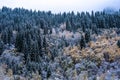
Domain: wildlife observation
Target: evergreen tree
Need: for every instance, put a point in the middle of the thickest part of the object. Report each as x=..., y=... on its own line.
x=25, y=50
x=45, y=30
x=45, y=44
x=87, y=36
x=4, y=37
x=9, y=31
x=39, y=41
x=19, y=42
x=68, y=25
x=82, y=42
x=1, y=46
x=34, y=51
x=118, y=43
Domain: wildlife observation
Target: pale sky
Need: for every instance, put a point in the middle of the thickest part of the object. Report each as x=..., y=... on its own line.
x=57, y=6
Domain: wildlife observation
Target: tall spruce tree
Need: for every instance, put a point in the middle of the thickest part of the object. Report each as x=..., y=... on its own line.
x=82, y=42
x=1, y=46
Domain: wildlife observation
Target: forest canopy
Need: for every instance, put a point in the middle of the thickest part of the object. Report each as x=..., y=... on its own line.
x=33, y=36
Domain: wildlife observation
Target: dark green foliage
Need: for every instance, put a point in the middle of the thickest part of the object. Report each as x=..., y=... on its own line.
x=19, y=42
x=45, y=30
x=68, y=25
x=118, y=43
x=82, y=42
x=54, y=53
x=30, y=32
x=9, y=32
x=4, y=37
x=106, y=56
x=48, y=72
x=31, y=45
x=44, y=43
x=94, y=28
x=7, y=35
x=87, y=36
x=1, y=46
x=20, y=19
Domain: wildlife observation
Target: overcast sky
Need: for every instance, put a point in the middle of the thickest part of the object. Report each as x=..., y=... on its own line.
x=57, y=6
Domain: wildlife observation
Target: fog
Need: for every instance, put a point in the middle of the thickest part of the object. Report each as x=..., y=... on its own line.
x=57, y=6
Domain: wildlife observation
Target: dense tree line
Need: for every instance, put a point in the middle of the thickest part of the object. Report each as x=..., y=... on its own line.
x=21, y=27
x=28, y=30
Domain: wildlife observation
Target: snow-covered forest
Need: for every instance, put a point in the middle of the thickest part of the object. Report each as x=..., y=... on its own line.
x=39, y=45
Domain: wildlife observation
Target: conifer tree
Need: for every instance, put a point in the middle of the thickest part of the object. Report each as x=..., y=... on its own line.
x=82, y=42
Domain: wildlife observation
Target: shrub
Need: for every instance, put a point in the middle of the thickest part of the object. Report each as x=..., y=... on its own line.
x=118, y=43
